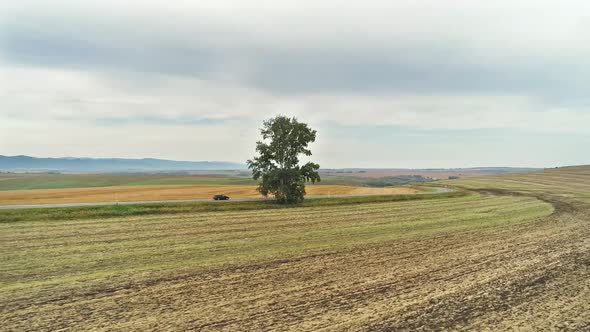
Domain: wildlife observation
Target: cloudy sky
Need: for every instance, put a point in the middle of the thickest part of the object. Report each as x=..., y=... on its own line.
x=403, y=83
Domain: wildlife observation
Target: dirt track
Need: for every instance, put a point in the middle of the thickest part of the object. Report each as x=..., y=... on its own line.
x=560, y=204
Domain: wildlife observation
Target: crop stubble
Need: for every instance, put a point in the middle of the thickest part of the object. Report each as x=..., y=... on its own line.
x=495, y=260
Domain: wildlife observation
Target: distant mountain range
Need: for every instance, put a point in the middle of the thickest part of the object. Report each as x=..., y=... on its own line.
x=69, y=164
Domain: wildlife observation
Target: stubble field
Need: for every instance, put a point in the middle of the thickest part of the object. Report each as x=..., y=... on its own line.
x=568, y=182
x=504, y=256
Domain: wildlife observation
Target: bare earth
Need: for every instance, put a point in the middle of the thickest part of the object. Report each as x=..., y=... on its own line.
x=168, y=192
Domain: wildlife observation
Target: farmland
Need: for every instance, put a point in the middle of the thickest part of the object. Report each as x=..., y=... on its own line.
x=566, y=182
x=169, y=192
x=39, y=181
x=28, y=181
x=19, y=189
x=352, y=177
x=511, y=253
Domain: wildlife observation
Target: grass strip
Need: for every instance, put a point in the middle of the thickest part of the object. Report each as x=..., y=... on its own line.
x=113, y=211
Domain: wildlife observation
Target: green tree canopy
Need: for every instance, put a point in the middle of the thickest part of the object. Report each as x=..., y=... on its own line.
x=284, y=139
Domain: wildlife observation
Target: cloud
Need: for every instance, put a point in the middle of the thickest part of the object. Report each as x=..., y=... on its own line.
x=80, y=96
x=377, y=47
x=200, y=69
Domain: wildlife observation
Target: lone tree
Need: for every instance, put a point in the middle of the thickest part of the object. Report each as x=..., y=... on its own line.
x=283, y=140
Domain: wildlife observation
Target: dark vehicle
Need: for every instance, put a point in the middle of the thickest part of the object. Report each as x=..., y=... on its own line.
x=220, y=197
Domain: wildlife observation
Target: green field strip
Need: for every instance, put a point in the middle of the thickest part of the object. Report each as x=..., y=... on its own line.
x=63, y=181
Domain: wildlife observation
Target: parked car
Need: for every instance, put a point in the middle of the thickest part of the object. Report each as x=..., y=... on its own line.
x=220, y=197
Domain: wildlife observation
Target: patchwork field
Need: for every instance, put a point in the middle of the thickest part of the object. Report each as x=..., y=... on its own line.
x=496, y=258
x=170, y=192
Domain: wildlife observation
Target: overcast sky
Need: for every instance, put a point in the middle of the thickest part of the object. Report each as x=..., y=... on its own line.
x=412, y=83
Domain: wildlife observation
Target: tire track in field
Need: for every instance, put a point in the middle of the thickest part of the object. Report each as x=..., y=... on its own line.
x=560, y=205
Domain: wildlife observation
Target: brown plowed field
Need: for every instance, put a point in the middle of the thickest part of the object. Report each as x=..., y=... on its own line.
x=495, y=260
x=168, y=192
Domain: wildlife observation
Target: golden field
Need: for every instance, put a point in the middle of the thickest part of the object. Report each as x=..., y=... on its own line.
x=168, y=192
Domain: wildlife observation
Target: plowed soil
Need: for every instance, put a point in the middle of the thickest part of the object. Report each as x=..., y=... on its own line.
x=492, y=261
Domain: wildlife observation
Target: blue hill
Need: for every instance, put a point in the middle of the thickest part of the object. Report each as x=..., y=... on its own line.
x=69, y=164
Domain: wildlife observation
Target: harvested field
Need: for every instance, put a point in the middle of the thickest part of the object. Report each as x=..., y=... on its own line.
x=572, y=182
x=172, y=192
x=492, y=260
